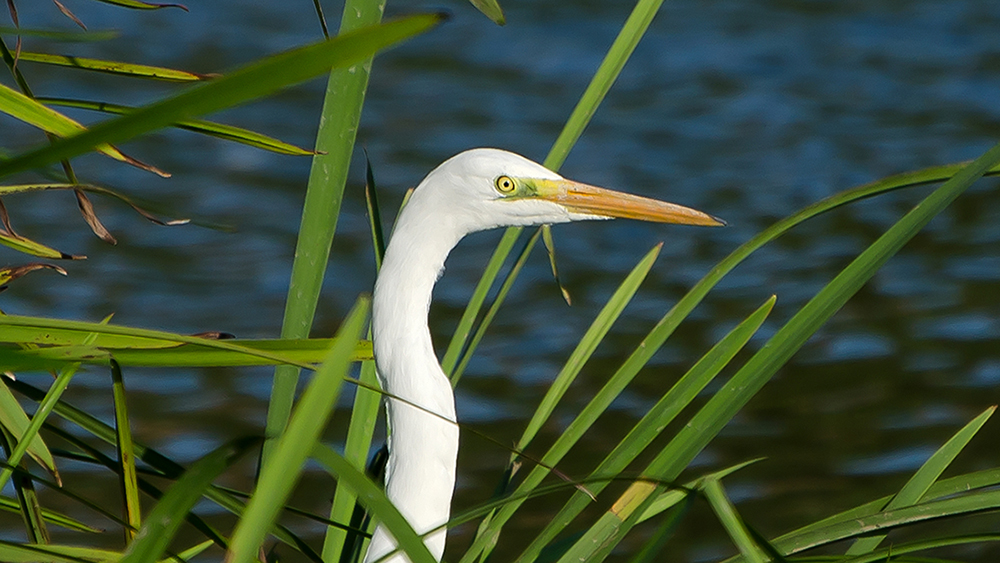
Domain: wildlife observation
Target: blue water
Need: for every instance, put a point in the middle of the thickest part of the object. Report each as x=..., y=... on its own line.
x=748, y=110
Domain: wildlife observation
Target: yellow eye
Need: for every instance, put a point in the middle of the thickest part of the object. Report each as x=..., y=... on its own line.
x=505, y=184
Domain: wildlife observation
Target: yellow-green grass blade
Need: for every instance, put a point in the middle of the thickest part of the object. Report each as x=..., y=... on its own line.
x=171, y=511
x=281, y=471
x=680, y=395
x=190, y=552
x=731, y=521
x=494, y=308
x=20, y=553
x=302, y=352
x=588, y=344
x=222, y=131
x=374, y=214
x=126, y=455
x=50, y=517
x=338, y=126
x=114, y=67
x=918, y=485
x=30, y=247
x=255, y=81
x=491, y=9
x=45, y=331
x=461, y=335
x=44, y=409
x=359, y=439
x=16, y=422
x=137, y=5
x=597, y=542
x=23, y=108
x=149, y=456
x=374, y=499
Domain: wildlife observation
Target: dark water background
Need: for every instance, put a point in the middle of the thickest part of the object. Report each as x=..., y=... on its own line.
x=748, y=110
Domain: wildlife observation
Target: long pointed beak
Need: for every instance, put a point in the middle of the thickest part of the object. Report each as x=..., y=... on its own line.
x=591, y=200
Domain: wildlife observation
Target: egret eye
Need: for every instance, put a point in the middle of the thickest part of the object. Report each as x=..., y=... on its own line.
x=505, y=184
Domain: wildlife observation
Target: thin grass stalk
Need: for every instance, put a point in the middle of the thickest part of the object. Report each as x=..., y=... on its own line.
x=126, y=456
x=921, y=481
x=281, y=472
x=598, y=541
x=364, y=412
x=338, y=126
x=498, y=300
x=680, y=395
x=27, y=499
x=619, y=53
x=731, y=521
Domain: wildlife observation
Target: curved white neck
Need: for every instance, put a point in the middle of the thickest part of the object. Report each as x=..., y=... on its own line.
x=423, y=448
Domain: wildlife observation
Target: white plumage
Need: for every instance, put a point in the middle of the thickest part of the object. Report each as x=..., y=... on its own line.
x=476, y=190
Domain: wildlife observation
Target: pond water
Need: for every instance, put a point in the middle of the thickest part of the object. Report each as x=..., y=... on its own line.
x=747, y=110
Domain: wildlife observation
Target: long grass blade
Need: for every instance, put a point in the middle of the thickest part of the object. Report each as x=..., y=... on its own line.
x=114, y=67
x=16, y=422
x=588, y=344
x=600, y=539
x=731, y=521
x=341, y=114
x=126, y=455
x=27, y=499
x=918, y=485
x=280, y=472
x=494, y=308
x=219, y=130
x=20, y=553
x=374, y=499
x=650, y=426
x=171, y=511
x=254, y=81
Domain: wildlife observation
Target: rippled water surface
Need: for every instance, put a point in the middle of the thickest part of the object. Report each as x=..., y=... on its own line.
x=748, y=110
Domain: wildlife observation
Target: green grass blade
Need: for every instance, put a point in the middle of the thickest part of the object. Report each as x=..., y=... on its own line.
x=762, y=366
x=359, y=440
x=24, y=108
x=16, y=422
x=219, y=130
x=494, y=308
x=152, y=458
x=650, y=426
x=280, y=472
x=619, y=53
x=374, y=499
x=588, y=344
x=126, y=455
x=338, y=126
x=918, y=485
x=50, y=517
x=19, y=553
x=464, y=328
x=491, y=9
x=114, y=67
x=257, y=80
x=731, y=521
x=27, y=498
x=171, y=511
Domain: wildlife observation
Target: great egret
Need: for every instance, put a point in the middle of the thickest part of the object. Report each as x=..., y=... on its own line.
x=476, y=190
